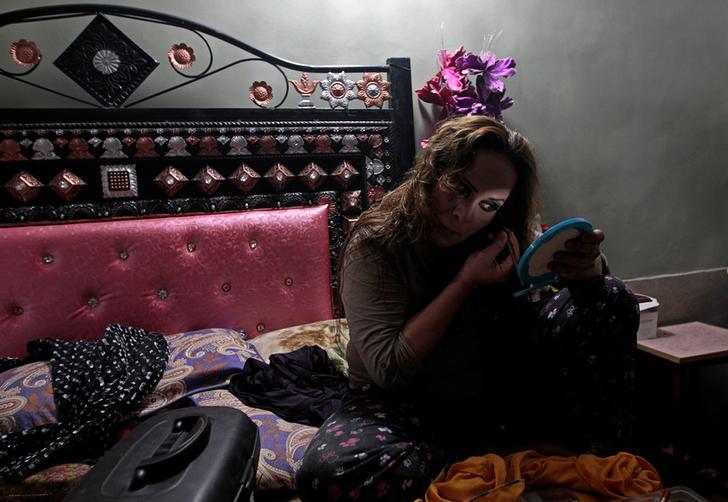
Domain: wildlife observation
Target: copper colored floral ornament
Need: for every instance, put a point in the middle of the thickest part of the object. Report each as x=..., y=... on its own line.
x=373, y=90
x=305, y=88
x=260, y=93
x=181, y=56
x=25, y=53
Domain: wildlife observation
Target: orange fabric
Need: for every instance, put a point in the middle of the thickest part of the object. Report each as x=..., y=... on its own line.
x=592, y=478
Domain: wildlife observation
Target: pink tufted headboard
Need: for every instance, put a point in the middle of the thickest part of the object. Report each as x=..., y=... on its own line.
x=256, y=271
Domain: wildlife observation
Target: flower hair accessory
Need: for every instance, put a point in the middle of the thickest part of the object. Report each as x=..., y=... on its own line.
x=453, y=89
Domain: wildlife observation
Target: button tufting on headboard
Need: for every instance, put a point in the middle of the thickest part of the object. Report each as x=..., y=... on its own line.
x=223, y=277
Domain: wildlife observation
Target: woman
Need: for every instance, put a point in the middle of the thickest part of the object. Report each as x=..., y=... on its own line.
x=443, y=361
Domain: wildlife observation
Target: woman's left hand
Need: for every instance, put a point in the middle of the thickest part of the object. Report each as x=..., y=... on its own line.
x=582, y=260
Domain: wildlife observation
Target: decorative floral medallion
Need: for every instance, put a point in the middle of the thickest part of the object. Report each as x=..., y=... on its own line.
x=260, y=93
x=106, y=61
x=66, y=184
x=170, y=180
x=181, y=56
x=25, y=53
x=338, y=90
x=373, y=90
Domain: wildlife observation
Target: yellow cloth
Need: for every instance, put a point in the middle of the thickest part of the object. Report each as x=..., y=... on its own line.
x=590, y=477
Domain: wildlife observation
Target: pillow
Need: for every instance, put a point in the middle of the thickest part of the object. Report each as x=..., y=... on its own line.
x=331, y=335
x=198, y=360
x=26, y=397
x=282, y=444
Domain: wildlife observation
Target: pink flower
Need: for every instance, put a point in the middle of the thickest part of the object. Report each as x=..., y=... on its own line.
x=349, y=442
x=434, y=92
x=381, y=437
x=445, y=58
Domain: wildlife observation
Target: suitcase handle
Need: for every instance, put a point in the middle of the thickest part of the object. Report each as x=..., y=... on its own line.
x=167, y=464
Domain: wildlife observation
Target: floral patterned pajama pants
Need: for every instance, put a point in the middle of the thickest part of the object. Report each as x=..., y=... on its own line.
x=379, y=447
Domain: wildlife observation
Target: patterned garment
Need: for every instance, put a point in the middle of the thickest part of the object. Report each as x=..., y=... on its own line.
x=579, y=369
x=372, y=448
x=94, y=384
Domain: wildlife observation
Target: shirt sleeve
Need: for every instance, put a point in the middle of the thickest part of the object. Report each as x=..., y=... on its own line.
x=376, y=302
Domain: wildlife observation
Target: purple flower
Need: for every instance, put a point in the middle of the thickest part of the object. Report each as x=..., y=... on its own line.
x=489, y=67
x=483, y=101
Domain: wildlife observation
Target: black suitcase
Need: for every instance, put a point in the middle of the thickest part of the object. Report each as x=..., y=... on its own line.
x=191, y=454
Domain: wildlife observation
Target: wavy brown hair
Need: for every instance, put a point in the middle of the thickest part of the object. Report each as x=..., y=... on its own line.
x=405, y=214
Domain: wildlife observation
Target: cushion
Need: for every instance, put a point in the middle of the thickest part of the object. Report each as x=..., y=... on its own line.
x=198, y=360
x=282, y=444
x=331, y=335
x=26, y=397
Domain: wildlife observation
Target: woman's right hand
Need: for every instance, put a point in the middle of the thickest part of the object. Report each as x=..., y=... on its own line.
x=481, y=268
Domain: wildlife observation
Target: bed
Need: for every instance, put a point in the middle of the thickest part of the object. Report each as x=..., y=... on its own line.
x=219, y=227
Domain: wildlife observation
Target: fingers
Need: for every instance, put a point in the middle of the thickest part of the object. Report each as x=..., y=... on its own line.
x=496, y=246
x=515, y=248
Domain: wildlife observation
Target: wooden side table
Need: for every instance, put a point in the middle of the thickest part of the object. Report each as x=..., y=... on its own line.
x=685, y=349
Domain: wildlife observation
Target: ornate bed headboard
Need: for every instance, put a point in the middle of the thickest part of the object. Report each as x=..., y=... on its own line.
x=299, y=135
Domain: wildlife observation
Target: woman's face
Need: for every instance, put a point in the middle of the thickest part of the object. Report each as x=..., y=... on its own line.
x=458, y=214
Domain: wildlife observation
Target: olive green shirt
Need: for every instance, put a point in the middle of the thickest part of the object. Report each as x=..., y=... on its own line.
x=381, y=292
